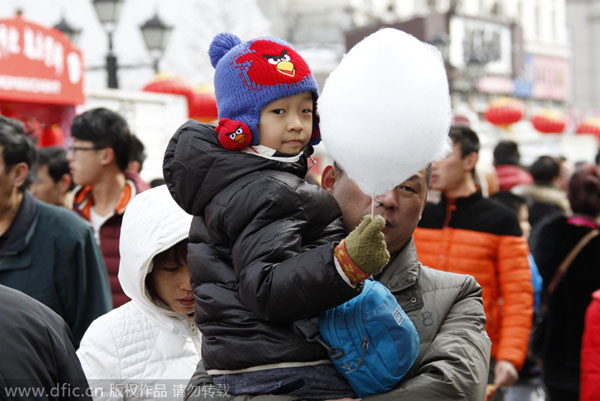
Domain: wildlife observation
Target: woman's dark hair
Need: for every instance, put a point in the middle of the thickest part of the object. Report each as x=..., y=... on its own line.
x=584, y=190
x=177, y=252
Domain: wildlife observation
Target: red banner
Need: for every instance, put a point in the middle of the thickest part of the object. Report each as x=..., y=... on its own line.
x=39, y=64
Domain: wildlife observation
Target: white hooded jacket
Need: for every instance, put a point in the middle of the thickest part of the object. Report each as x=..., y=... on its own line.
x=142, y=350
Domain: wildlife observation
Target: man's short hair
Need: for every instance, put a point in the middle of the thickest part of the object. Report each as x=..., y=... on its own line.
x=105, y=128
x=428, y=172
x=544, y=170
x=17, y=147
x=465, y=138
x=55, y=158
x=138, y=151
x=507, y=152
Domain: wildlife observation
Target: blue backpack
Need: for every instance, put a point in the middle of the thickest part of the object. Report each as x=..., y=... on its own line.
x=371, y=340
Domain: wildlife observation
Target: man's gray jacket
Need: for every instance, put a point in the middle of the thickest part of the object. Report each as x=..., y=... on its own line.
x=447, y=311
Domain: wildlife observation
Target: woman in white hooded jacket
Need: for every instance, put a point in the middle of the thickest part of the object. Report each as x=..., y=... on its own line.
x=149, y=347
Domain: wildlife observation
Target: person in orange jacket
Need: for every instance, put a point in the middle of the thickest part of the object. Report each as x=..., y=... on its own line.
x=469, y=234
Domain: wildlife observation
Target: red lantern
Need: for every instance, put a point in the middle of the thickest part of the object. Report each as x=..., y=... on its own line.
x=590, y=126
x=504, y=111
x=203, y=105
x=164, y=83
x=549, y=121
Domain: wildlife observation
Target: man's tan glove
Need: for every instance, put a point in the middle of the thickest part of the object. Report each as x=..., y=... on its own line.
x=363, y=252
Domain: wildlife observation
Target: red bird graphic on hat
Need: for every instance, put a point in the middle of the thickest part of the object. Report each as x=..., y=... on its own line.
x=273, y=63
x=233, y=135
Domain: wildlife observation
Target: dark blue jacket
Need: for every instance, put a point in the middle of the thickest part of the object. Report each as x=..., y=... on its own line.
x=50, y=254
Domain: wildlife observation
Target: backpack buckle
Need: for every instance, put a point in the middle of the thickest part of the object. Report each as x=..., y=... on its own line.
x=335, y=352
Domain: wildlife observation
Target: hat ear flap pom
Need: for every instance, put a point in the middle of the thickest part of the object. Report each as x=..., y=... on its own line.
x=233, y=135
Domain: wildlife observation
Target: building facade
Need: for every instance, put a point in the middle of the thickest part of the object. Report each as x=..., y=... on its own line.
x=583, y=22
x=517, y=48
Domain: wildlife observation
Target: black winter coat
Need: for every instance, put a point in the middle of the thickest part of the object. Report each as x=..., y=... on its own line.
x=260, y=253
x=37, y=358
x=550, y=242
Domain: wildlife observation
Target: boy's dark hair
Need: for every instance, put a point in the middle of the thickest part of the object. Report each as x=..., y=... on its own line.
x=466, y=138
x=17, y=147
x=507, y=152
x=544, y=170
x=105, y=128
x=137, y=152
x=598, y=157
x=55, y=158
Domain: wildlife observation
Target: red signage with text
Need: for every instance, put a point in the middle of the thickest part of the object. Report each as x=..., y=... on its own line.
x=38, y=64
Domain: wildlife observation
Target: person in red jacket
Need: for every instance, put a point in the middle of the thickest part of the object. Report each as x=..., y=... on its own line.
x=469, y=234
x=508, y=170
x=590, y=352
x=98, y=160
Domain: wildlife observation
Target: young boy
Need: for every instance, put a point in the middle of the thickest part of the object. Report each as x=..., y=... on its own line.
x=266, y=247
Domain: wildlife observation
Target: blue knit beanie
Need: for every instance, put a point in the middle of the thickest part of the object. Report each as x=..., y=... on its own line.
x=250, y=75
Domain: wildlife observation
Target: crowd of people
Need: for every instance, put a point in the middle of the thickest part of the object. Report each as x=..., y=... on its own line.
x=111, y=289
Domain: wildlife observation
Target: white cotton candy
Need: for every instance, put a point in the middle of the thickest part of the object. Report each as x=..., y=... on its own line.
x=385, y=110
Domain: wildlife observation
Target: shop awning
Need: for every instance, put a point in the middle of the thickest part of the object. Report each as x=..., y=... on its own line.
x=38, y=64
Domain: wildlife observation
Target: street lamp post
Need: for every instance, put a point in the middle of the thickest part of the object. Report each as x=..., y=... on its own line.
x=156, y=36
x=154, y=31
x=108, y=12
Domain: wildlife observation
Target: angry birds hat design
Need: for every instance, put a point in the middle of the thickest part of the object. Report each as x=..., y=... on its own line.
x=248, y=76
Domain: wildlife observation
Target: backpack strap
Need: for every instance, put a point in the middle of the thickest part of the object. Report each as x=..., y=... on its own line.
x=562, y=269
x=564, y=266
x=311, y=332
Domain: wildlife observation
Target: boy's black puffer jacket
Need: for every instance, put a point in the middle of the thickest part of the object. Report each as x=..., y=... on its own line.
x=261, y=250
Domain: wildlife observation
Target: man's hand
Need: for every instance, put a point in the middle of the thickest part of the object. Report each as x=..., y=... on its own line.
x=505, y=374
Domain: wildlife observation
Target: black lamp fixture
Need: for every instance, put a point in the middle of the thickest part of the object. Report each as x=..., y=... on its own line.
x=108, y=12
x=156, y=36
x=70, y=31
